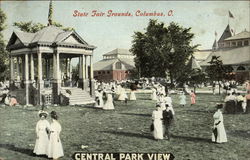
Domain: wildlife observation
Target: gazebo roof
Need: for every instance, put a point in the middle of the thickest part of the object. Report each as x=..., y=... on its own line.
x=48, y=36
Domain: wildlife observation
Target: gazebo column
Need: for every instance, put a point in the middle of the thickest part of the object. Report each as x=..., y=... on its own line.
x=92, y=83
x=17, y=72
x=40, y=82
x=80, y=81
x=70, y=71
x=17, y=69
x=26, y=78
x=67, y=67
x=32, y=74
x=47, y=68
x=56, y=86
x=84, y=87
x=86, y=80
x=11, y=71
x=23, y=68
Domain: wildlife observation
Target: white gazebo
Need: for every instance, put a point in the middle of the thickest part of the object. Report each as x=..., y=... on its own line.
x=41, y=63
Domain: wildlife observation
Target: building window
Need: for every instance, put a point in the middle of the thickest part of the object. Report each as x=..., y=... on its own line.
x=99, y=72
x=108, y=72
x=239, y=43
x=246, y=43
x=233, y=44
x=118, y=65
x=103, y=72
x=241, y=68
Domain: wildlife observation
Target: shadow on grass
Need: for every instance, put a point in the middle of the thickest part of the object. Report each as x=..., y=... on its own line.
x=28, y=152
x=129, y=134
x=198, y=111
x=240, y=133
x=136, y=114
x=193, y=139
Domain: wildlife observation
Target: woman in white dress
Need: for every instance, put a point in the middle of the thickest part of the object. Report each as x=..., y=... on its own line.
x=99, y=99
x=109, y=103
x=55, y=149
x=182, y=99
x=153, y=95
x=219, y=133
x=132, y=96
x=42, y=134
x=157, y=122
x=123, y=96
x=118, y=90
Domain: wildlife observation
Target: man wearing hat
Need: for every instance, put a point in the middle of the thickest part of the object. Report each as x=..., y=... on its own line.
x=168, y=116
x=219, y=133
x=42, y=134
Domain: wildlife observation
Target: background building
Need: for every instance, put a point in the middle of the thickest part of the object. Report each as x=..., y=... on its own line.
x=115, y=65
x=234, y=51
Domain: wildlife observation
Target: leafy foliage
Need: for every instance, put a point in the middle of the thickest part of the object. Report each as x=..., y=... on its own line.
x=217, y=71
x=154, y=50
x=3, y=53
x=34, y=27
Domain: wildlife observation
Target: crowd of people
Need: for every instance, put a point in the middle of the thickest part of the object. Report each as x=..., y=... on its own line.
x=163, y=116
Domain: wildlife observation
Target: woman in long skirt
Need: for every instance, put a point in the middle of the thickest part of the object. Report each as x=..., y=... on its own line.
x=219, y=133
x=153, y=95
x=157, y=122
x=123, y=96
x=132, y=96
x=193, y=96
x=42, y=134
x=55, y=149
x=109, y=103
x=182, y=99
x=99, y=99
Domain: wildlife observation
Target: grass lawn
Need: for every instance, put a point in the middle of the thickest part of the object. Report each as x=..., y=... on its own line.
x=126, y=129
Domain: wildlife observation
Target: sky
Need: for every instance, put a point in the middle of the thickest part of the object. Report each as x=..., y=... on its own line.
x=108, y=33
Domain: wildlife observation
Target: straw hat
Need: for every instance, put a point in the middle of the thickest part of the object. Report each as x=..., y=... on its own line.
x=219, y=105
x=42, y=113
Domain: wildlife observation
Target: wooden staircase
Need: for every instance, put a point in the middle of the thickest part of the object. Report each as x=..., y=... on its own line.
x=78, y=96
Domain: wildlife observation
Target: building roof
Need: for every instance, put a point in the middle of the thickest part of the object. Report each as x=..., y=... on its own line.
x=118, y=51
x=231, y=56
x=107, y=64
x=215, y=44
x=49, y=35
x=226, y=34
x=201, y=55
x=24, y=37
x=241, y=35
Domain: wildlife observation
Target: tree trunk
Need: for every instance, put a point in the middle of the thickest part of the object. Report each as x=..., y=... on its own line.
x=219, y=89
x=171, y=79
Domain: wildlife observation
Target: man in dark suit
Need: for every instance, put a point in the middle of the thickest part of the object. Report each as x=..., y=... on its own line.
x=167, y=121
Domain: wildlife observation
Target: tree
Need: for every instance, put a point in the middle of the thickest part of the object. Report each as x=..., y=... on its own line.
x=3, y=53
x=34, y=27
x=162, y=50
x=217, y=71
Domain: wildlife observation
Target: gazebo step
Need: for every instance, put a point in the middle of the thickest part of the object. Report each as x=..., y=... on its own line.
x=79, y=96
x=82, y=102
